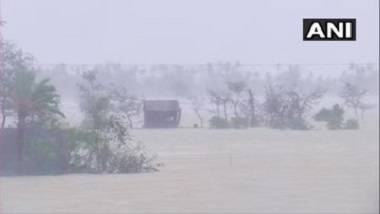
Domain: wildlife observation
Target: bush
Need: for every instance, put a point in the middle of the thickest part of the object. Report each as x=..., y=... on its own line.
x=288, y=109
x=133, y=159
x=333, y=124
x=323, y=115
x=107, y=146
x=45, y=152
x=127, y=157
x=333, y=116
x=218, y=123
x=239, y=122
x=42, y=156
x=351, y=124
x=297, y=124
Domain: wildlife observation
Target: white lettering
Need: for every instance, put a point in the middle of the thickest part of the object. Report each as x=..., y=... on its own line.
x=348, y=30
x=315, y=29
x=338, y=31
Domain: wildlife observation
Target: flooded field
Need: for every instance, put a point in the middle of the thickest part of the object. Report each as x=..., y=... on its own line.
x=252, y=170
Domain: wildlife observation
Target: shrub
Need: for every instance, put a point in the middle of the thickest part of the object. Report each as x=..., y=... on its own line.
x=297, y=124
x=288, y=109
x=45, y=157
x=239, y=122
x=351, y=124
x=133, y=159
x=323, y=115
x=107, y=146
x=333, y=116
x=218, y=123
x=46, y=152
x=127, y=156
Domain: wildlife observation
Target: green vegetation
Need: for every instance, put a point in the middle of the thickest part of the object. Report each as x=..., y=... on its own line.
x=218, y=123
x=41, y=144
x=37, y=140
x=335, y=118
x=109, y=147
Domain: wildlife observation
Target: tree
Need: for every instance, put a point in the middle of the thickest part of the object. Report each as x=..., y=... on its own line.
x=333, y=117
x=353, y=97
x=237, y=89
x=215, y=99
x=110, y=147
x=31, y=99
x=225, y=98
x=289, y=108
x=197, y=104
x=253, y=120
x=95, y=104
x=127, y=103
x=273, y=107
x=365, y=107
x=13, y=60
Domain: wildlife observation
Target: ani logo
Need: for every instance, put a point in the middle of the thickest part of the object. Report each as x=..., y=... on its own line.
x=329, y=29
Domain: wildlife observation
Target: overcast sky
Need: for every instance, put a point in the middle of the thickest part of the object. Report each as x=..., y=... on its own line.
x=186, y=31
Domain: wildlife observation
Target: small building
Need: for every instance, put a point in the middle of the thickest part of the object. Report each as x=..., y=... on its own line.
x=161, y=113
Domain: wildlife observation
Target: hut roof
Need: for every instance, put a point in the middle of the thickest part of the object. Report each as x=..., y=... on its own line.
x=161, y=105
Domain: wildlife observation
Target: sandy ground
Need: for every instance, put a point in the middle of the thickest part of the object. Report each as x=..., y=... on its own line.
x=254, y=170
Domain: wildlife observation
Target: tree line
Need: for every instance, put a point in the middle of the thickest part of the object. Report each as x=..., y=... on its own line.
x=281, y=107
x=109, y=103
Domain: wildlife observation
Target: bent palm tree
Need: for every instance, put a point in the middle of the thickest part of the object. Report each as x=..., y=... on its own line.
x=31, y=98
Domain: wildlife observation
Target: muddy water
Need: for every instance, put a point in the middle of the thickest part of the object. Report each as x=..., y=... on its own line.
x=253, y=170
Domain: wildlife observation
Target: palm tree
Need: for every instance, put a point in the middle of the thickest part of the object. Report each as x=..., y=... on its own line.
x=31, y=98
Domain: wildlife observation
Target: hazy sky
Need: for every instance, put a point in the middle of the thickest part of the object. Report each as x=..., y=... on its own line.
x=186, y=31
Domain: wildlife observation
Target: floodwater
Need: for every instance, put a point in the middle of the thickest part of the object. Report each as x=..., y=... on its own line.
x=254, y=170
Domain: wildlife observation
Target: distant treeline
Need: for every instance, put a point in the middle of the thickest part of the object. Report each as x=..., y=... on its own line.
x=194, y=80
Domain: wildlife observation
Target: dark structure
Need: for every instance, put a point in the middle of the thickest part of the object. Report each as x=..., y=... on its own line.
x=161, y=113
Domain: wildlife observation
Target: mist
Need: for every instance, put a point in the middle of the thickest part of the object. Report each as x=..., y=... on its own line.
x=186, y=32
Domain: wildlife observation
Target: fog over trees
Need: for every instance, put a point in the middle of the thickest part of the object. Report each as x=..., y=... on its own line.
x=108, y=99
x=244, y=95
